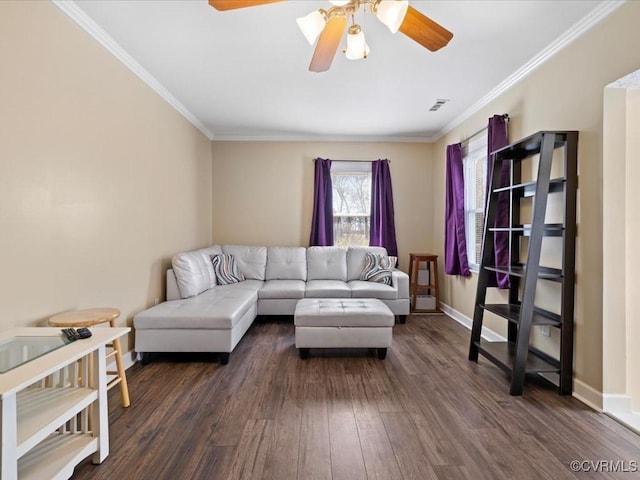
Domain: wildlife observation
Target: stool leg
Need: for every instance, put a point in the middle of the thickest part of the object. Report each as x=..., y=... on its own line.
x=124, y=388
x=435, y=283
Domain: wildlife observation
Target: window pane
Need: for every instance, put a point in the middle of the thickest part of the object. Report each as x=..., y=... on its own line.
x=475, y=181
x=479, y=219
x=351, y=207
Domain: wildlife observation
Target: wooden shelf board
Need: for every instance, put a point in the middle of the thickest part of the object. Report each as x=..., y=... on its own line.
x=56, y=456
x=528, y=189
x=502, y=355
x=42, y=410
x=512, y=313
x=550, y=229
x=545, y=273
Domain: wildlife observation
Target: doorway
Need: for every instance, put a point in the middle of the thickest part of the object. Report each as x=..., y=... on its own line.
x=621, y=250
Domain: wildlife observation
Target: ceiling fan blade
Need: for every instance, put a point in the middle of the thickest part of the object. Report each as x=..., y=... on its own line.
x=328, y=44
x=424, y=30
x=233, y=4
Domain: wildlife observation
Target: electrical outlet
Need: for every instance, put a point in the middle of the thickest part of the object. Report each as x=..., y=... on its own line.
x=545, y=330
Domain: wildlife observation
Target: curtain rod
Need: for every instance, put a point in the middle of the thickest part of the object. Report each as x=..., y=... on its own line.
x=466, y=140
x=353, y=161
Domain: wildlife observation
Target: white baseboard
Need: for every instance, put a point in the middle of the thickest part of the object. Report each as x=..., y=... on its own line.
x=587, y=395
x=581, y=391
x=487, y=334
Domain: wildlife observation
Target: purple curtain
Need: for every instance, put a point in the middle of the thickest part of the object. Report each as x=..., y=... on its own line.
x=455, y=241
x=383, y=228
x=496, y=139
x=322, y=221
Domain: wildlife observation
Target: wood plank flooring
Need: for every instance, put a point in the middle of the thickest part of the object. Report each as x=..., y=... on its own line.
x=425, y=412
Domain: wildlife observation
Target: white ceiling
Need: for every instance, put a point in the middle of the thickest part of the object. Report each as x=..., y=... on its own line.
x=243, y=74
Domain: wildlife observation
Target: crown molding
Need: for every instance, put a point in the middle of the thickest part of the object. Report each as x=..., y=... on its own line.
x=594, y=17
x=321, y=138
x=103, y=38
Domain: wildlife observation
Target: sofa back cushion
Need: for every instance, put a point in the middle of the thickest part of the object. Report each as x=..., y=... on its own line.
x=251, y=261
x=327, y=263
x=286, y=263
x=356, y=260
x=194, y=271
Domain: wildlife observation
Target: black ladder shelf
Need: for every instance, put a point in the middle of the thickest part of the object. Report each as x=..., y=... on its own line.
x=517, y=356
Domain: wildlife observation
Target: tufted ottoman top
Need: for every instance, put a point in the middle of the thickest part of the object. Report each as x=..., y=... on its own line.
x=343, y=312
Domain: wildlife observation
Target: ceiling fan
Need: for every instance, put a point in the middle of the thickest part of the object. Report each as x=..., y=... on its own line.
x=329, y=25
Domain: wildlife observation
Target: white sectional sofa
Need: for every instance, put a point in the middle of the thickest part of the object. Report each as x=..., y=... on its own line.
x=202, y=316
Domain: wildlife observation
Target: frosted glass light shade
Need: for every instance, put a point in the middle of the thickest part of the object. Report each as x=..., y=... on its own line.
x=311, y=25
x=339, y=3
x=392, y=13
x=357, y=47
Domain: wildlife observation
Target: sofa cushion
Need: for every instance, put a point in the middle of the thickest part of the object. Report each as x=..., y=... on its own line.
x=194, y=272
x=327, y=289
x=218, y=308
x=377, y=268
x=356, y=257
x=327, y=263
x=251, y=261
x=251, y=285
x=282, y=289
x=364, y=289
x=286, y=263
x=226, y=269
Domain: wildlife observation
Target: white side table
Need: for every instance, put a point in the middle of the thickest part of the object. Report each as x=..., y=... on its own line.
x=53, y=415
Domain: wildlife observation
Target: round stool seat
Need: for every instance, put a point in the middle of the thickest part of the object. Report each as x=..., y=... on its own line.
x=84, y=318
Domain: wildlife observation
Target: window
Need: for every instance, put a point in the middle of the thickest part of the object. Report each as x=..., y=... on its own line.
x=474, y=159
x=351, y=202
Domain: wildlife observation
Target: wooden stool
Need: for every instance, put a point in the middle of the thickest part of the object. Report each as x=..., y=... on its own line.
x=88, y=318
x=431, y=287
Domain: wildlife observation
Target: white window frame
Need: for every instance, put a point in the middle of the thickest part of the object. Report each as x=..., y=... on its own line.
x=474, y=150
x=345, y=168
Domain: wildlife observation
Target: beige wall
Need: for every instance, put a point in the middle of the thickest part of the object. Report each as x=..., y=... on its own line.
x=100, y=179
x=263, y=191
x=564, y=93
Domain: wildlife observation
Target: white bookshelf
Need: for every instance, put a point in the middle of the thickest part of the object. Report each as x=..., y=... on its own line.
x=54, y=407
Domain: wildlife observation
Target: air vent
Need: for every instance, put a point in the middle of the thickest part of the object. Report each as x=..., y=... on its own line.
x=439, y=102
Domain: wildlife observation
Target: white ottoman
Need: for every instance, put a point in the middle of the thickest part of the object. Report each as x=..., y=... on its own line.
x=343, y=323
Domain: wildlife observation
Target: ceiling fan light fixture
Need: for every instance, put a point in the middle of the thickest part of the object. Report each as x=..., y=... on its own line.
x=357, y=47
x=392, y=13
x=311, y=25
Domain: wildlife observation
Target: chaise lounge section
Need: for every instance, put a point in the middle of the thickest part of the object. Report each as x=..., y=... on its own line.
x=200, y=315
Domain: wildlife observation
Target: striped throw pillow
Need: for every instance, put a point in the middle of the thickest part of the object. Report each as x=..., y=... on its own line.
x=226, y=269
x=377, y=268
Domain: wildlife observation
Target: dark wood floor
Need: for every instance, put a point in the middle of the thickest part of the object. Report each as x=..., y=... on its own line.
x=425, y=412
